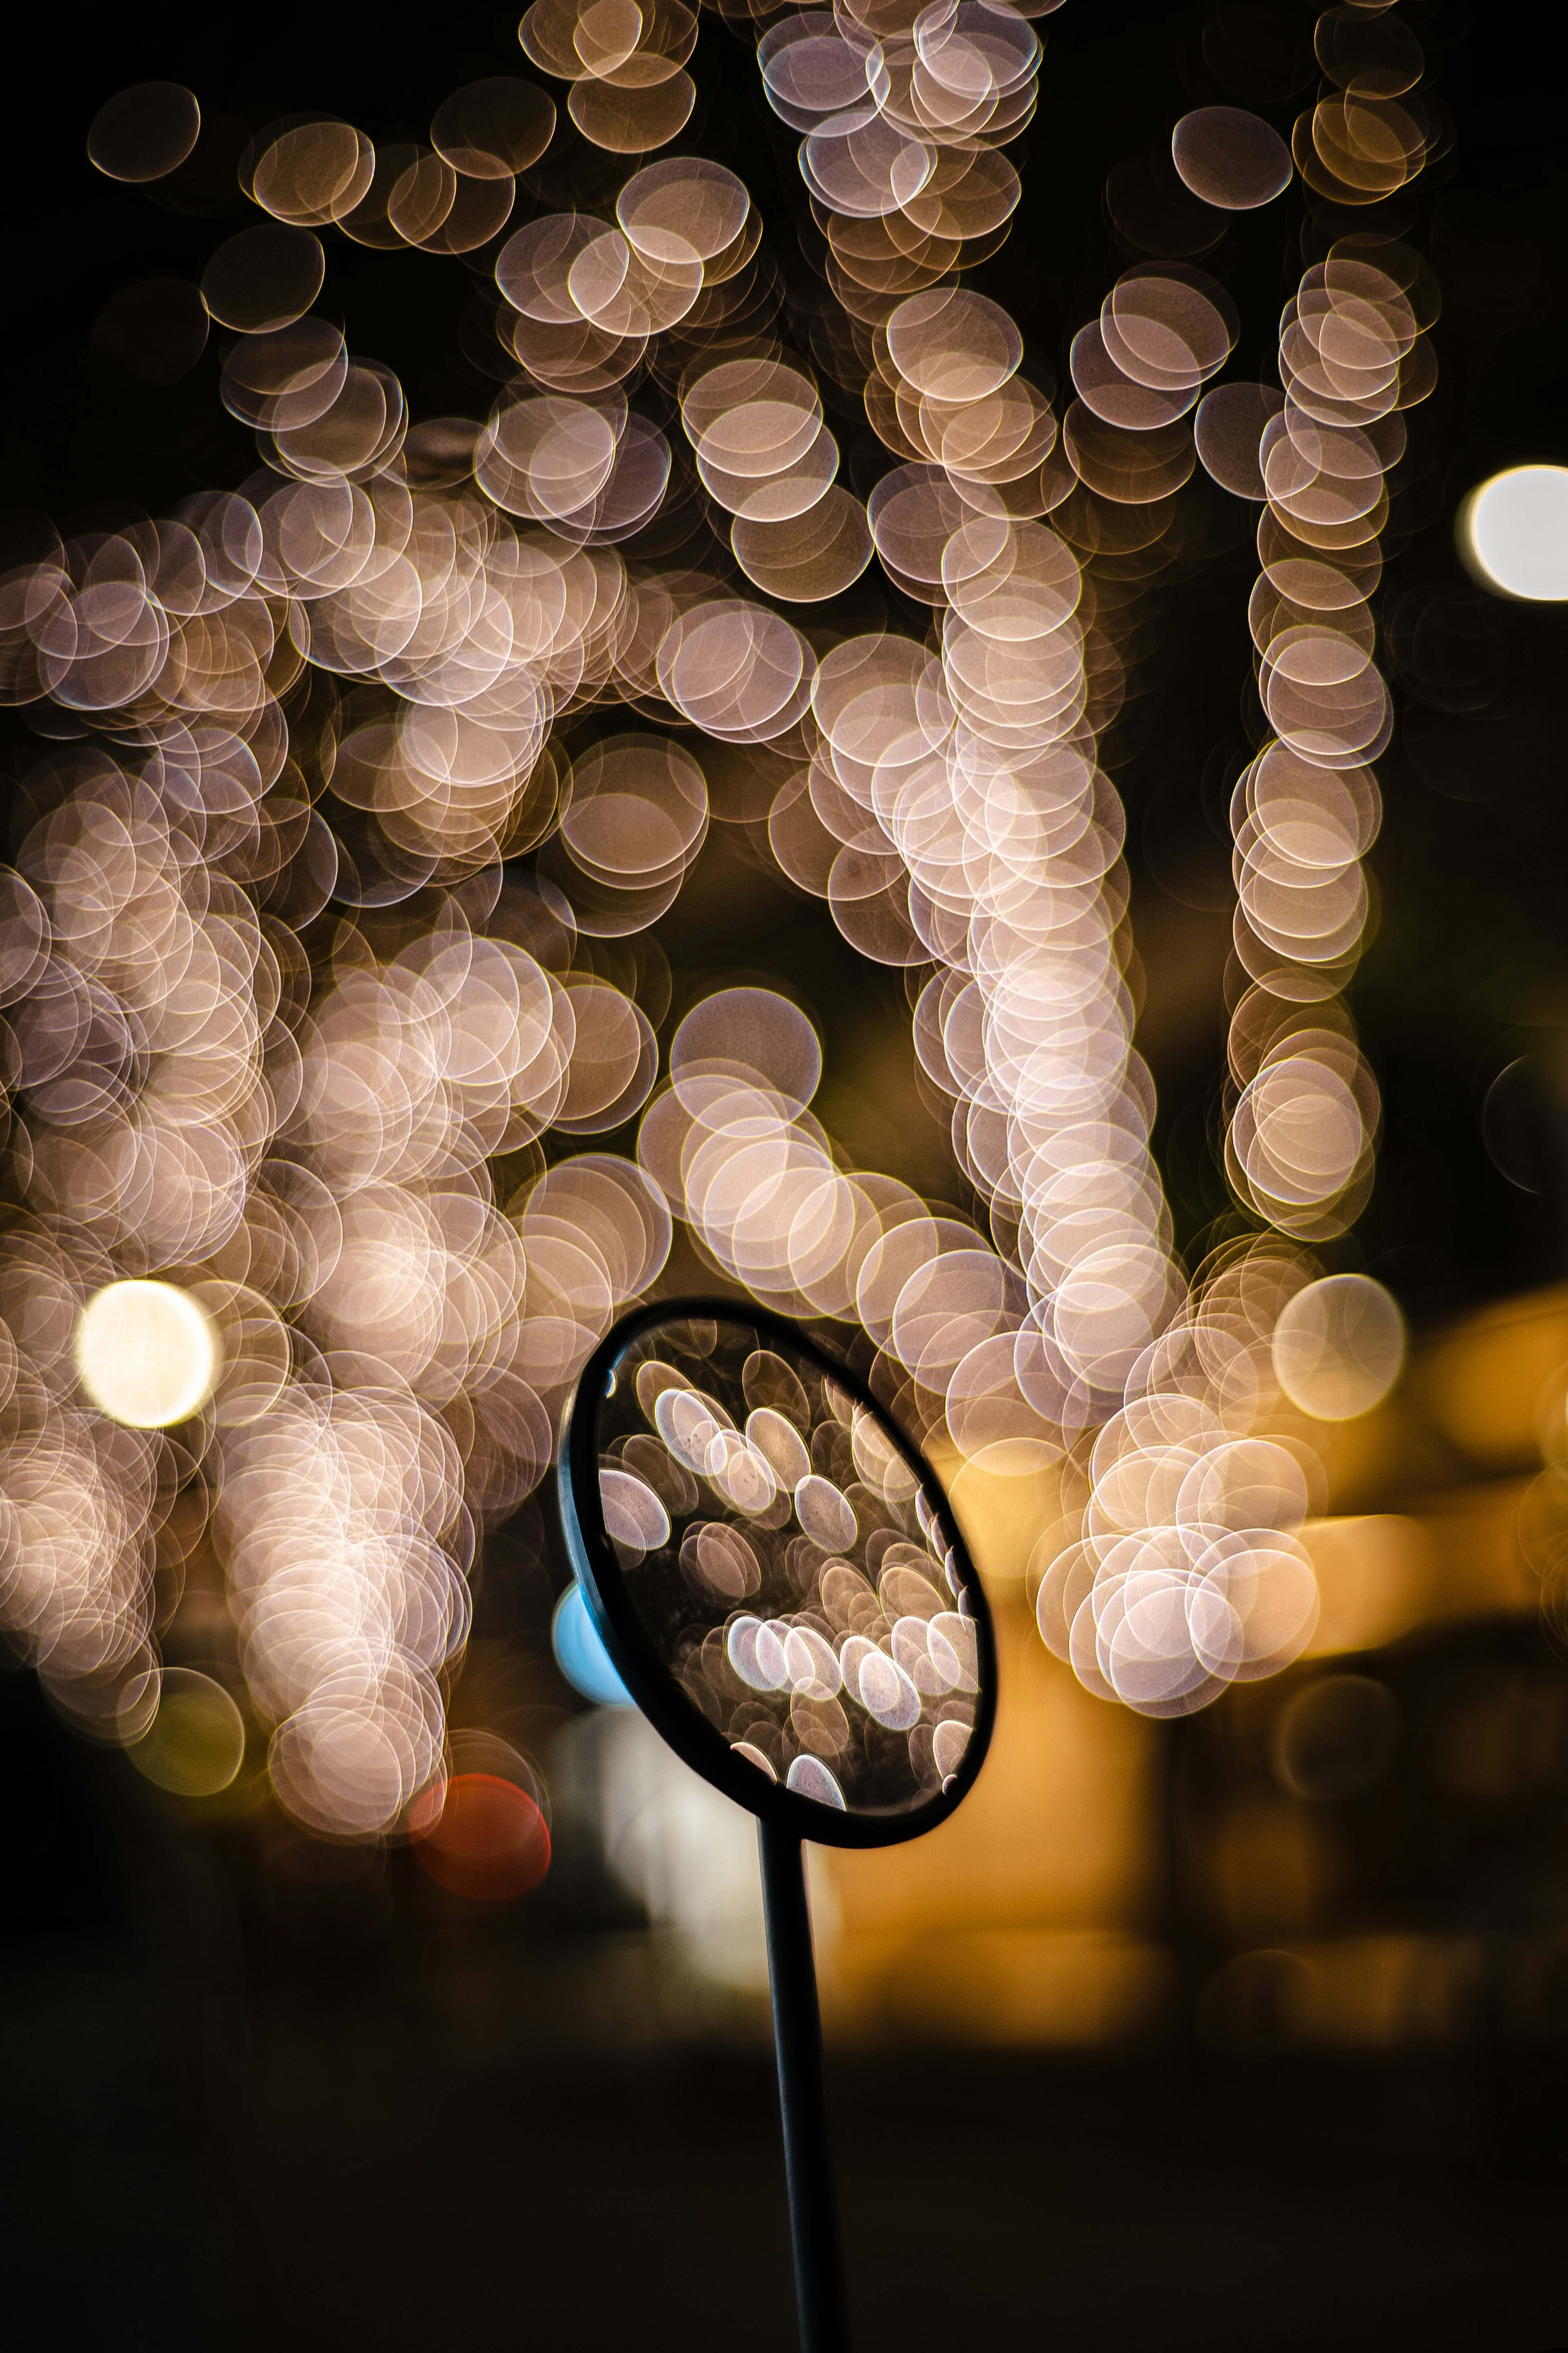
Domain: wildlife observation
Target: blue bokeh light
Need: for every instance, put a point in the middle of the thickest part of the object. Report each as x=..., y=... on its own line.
x=582, y=1656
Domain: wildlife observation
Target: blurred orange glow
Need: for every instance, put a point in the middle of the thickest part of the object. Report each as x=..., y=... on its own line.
x=1488, y=1384
x=1359, y=1991
x=1019, y=1917
x=1376, y=1576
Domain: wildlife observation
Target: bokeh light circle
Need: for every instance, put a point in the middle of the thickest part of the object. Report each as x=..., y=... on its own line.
x=195, y=1743
x=1513, y=530
x=1338, y=1347
x=482, y=1836
x=146, y=1354
x=581, y=1655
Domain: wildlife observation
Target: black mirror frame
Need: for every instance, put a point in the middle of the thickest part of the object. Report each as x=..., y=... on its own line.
x=697, y=1742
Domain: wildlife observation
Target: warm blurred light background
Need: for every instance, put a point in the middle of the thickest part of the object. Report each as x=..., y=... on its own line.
x=1247, y=2028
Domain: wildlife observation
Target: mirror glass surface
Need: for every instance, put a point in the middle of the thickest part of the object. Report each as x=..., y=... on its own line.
x=787, y=1565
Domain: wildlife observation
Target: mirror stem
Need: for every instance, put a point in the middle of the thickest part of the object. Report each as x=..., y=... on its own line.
x=808, y=2155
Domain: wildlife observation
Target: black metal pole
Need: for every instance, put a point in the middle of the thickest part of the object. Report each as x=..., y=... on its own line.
x=808, y=2155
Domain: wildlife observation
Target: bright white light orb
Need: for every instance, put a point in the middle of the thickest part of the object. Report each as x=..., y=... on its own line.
x=146, y=1354
x=1513, y=532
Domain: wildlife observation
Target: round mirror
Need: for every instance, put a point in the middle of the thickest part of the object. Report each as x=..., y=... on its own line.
x=775, y=1575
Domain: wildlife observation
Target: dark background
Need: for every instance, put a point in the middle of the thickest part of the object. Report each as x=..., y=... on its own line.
x=262, y=2092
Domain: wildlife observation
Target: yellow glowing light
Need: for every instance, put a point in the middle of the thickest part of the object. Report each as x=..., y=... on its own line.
x=146, y=1354
x=195, y=1744
x=1513, y=532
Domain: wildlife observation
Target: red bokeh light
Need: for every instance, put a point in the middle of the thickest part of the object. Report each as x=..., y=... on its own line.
x=490, y=1841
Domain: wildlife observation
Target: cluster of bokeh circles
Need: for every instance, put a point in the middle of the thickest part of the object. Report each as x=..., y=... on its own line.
x=1188, y=1572
x=324, y=954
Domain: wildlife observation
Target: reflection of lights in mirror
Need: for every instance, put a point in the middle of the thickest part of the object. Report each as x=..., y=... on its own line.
x=782, y=1559
x=146, y=1354
x=1513, y=532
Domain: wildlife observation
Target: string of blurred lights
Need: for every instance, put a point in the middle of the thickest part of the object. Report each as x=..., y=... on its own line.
x=1187, y=1571
x=263, y=1259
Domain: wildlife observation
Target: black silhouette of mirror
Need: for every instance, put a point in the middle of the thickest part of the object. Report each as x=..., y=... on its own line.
x=775, y=1575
